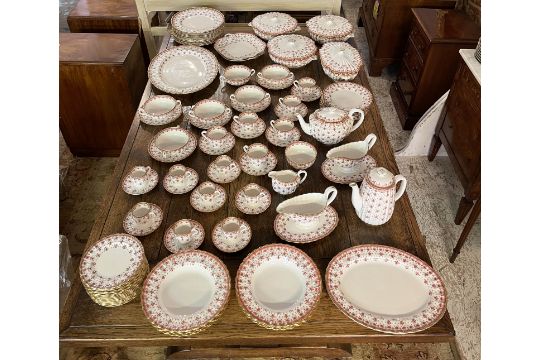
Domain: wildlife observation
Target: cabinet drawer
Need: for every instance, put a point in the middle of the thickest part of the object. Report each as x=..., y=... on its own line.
x=419, y=40
x=412, y=61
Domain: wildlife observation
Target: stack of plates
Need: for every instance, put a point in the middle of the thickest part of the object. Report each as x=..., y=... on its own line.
x=113, y=269
x=197, y=26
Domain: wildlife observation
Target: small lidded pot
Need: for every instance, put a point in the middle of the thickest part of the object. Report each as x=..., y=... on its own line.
x=209, y=112
x=160, y=110
x=257, y=160
x=180, y=179
x=216, y=141
x=282, y=132
x=289, y=107
x=250, y=98
x=306, y=89
x=237, y=75
x=223, y=170
x=275, y=77
x=285, y=182
x=248, y=125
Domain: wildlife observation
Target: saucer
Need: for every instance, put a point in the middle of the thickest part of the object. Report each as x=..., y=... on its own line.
x=274, y=140
x=197, y=237
x=243, y=204
x=176, y=187
x=332, y=170
x=203, y=203
x=219, y=237
x=145, y=224
x=289, y=230
x=172, y=144
x=132, y=188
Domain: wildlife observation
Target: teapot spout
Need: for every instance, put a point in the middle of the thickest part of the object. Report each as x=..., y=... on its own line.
x=356, y=199
x=306, y=127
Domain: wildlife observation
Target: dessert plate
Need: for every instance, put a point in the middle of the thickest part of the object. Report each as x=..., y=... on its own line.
x=270, y=24
x=197, y=20
x=143, y=219
x=183, y=69
x=140, y=180
x=240, y=46
x=231, y=234
x=185, y=234
x=386, y=289
x=346, y=95
x=278, y=286
x=253, y=199
x=172, y=144
x=291, y=231
x=336, y=171
x=186, y=292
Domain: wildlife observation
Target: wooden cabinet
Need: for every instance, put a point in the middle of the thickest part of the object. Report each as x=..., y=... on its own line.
x=430, y=60
x=387, y=24
x=102, y=77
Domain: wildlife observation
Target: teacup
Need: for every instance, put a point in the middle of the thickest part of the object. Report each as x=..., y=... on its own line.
x=286, y=182
x=306, y=89
x=216, y=141
x=300, y=154
x=237, y=75
x=289, y=107
x=275, y=77
x=282, y=132
x=183, y=232
x=208, y=197
x=142, y=219
x=139, y=180
x=223, y=170
x=247, y=125
x=306, y=209
x=257, y=160
x=160, y=110
x=180, y=179
x=250, y=98
x=207, y=113
x=350, y=155
x=231, y=234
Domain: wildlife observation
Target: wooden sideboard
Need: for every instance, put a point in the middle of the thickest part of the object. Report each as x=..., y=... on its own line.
x=430, y=60
x=387, y=24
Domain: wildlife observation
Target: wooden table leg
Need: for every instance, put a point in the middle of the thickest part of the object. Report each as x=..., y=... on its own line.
x=466, y=230
x=435, y=146
x=465, y=205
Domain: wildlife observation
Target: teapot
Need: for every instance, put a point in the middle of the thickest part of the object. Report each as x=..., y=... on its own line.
x=331, y=125
x=374, y=200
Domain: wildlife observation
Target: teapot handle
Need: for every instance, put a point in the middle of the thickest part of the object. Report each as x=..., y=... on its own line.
x=402, y=186
x=303, y=175
x=360, y=121
x=370, y=139
x=330, y=193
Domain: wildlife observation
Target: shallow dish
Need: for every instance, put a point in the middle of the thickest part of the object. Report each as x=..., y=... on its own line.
x=293, y=50
x=172, y=144
x=231, y=234
x=240, y=46
x=326, y=28
x=142, y=219
x=186, y=292
x=140, y=180
x=183, y=69
x=278, y=286
x=160, y=110
x=346, y=95
x=271, y=24
x=185, y=234
x=386, y=289
x=341, y=172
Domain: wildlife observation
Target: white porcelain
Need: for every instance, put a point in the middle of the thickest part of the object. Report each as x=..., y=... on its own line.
x=183, y=69
x=185, y=292
x=327, y=28
x=140, y=180
x=197, y=26
x=237, y=75
x=285, y=182
x=160, y=110
x=374, y=200
x=208, y=197
x=340, y=61
x=247, y=125
x=275, y=77
x=386, y=289
x=351, y=153
x=271, y=24
x=289, y=107
x=306, y=218
x=209, y=112
x=216, y=141
x=331, y=125
x=253, y=199
x=142, y=219
x=346, y=96
x=250, y=98
x=306, y=89
x=293, y=51
x=278, y=286
x=185, y=234
x=240, y=46
x=340, y=171
x=180, y=179
x=172, y=144
x=231, y=234
x=223, y=170
x=282, y=132
x=300, y=155
x=257, y=160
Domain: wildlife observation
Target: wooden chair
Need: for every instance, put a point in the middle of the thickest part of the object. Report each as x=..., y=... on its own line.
x=147, y=9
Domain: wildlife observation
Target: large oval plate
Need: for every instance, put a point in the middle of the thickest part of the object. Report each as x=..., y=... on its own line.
x=183, y=69
x=386, y=289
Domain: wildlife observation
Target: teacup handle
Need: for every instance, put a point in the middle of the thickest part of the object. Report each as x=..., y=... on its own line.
x=203, y=134
x=252, y=72
x=191, y=113
x=290, y=74
x=360, y=121
x=235, y=119
x=259, y=74
x=272, y=122
x=370, y=139
x=303, y=175
x=295, y=83
x=330, y=193
x=222, y=78
x=227, y=109
x=402, y=186
x=281, y=101
x=267, y=95
x=232, y=97
x=147, y=170
x=246, y=148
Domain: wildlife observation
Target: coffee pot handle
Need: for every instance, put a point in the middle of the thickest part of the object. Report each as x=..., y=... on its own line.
x=360, y=121
x=303, y=175
x=370, y=139
x=402, y=186
x=330, y=193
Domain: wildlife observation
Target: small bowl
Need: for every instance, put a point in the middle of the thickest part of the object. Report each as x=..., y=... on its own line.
x=237, y=75
x=300, y=155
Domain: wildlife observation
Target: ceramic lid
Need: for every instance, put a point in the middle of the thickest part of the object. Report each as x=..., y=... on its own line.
x=340, y=57
x=381, y=177
x=292, y=47
x=330, y=114
x=329, y=26
x=274, y=23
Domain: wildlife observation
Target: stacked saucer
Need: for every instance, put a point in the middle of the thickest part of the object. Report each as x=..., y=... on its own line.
x=197, y=26
x=113, y=269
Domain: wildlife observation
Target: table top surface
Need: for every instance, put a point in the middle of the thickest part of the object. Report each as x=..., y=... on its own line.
x=84, y=323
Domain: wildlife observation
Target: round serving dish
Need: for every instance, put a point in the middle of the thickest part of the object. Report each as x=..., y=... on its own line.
x=346, y=95
x=340, y=61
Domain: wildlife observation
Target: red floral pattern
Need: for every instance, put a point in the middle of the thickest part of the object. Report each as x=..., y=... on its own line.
x=270, y=24
x=145, y=225
x=208, y=202
x=140, y=185
x=332, y=169
x=180, y=184
x=223, y=174
x=231, y=242
x=253, y=205
x=285, y=223
x=252, y=45
x=169, y=156
x=326, y=28
x=196, y=236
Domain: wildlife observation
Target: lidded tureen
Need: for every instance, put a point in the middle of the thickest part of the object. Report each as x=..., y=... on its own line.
x=292, y=50
x=331, y=125
x=340, y=61
x=326, y=28
x=271, y=24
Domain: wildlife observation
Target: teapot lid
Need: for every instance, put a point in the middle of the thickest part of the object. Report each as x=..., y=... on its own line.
x=380, y=177
x=331, y=114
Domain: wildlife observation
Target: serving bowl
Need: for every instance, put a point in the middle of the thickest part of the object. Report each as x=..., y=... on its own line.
x=271, y=24
x=327, y=28
x=292, y=50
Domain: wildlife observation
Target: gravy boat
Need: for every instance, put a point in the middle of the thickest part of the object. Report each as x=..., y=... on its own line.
x=351, y=154
x=305, y=210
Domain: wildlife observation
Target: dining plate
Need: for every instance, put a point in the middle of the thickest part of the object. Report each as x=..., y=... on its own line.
x=289, y=230
x=197, y=20
x=183, y=69
x=278, y=286
x=172, y=144
x=333, y=169
x=346, y=95
x=240, y=46
x=185, y=292
x=386, y=289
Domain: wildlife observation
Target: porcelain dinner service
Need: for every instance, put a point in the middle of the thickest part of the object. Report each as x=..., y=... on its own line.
x=142, y=219
x=257, y=160
x=275, y=77
x=184, y=234
x=160, y=110
x=306, y=89
x=247, y=125
x=293, y=51
x=140, y=180
x=237, y=75
x=282, y=132
x=231, y=234
x=208, y=197
x=331, y=125
x=250, y=98
x=285, y=182
x=209, y=112
x=240, y=46
x=197, y=26
x=216, y=141
x=271, y=24
x=223, y=170
x=252, y=199
x=172, y=144
x=300, y=155
x=340, y=61
x=288, y=107
x=180, y=179
x=328, y=28
x=346, y=95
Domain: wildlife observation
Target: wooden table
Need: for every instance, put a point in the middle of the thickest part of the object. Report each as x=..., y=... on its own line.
x=329, y=332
